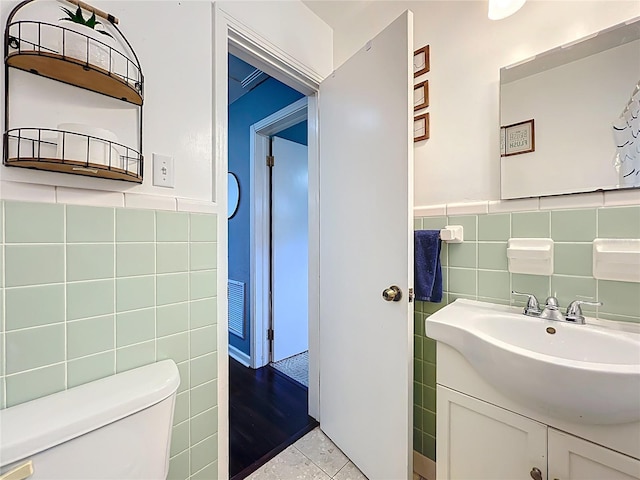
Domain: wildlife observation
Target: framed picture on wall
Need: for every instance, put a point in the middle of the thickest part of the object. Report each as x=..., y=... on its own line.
x=421, y=127
x=502, y=141
x=519, y=138
x=421, y=61
x=421, y=95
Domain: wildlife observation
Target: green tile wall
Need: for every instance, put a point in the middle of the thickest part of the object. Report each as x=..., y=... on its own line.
x=477, y=269
x=87, y=292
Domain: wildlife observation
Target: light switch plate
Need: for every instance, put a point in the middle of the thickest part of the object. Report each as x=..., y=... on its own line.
x=163, y=172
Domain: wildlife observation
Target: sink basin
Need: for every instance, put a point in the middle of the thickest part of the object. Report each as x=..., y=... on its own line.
x=580, y=373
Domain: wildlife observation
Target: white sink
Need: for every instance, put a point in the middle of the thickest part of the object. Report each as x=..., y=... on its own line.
x=580, y=373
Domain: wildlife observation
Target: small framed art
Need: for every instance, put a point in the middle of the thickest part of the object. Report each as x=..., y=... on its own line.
x=421, y=95
x=519, y=138
x=421, y=61
x=421, y=127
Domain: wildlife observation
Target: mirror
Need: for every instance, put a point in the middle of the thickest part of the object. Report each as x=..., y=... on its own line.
x=233, y=195
x=569, y=117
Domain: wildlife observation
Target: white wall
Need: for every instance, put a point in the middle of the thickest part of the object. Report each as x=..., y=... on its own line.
x=461, y=162
x=290, y=28
x=173, y=41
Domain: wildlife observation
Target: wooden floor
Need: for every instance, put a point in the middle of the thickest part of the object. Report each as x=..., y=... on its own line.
x=267, y=413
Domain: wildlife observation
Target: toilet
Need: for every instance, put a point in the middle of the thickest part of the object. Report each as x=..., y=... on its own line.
x=116, y=428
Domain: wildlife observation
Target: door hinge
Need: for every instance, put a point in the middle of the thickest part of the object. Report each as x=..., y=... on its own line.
x=270, y=334
x=411, y=295
x=270, y=160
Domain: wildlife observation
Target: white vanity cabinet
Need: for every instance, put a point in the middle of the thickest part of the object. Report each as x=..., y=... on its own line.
x=571, y=458
x=481, y=441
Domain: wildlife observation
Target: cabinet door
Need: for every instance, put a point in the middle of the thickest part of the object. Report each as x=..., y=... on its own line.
x=479, y=441
x=573, y=458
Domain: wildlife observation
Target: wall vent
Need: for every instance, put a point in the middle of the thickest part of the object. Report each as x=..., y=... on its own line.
x=235, y=296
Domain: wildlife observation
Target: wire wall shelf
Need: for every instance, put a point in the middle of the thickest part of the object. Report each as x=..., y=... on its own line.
x=71, y=57
x=71, y=152
x=110, y=67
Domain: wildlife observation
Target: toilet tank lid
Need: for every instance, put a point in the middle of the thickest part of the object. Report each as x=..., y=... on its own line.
x=32, y=427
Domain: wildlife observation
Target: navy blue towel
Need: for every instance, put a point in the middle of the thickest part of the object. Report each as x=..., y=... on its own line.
x=427, y=269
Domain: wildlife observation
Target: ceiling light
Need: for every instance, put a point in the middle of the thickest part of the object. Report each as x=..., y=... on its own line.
x=499, y=9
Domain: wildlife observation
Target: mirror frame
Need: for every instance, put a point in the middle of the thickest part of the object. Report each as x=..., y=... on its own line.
x=233, y=195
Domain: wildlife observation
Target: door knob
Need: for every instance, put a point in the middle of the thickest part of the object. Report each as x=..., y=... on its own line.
x=392, y=294
x=535, y=473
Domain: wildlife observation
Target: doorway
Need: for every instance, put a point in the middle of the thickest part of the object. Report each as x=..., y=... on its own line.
x=258, y=112
x=267, y=265
x=280, y=240
x=377, y=151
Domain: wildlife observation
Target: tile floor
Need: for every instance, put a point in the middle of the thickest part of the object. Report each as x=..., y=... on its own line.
x=313, y=457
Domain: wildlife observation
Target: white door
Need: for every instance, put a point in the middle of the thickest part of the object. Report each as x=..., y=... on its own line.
x=366, y=245
x=290, y=239
x=479, y=441
x=571, y=458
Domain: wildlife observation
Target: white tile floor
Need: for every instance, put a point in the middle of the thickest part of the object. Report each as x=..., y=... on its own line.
x=313, y=457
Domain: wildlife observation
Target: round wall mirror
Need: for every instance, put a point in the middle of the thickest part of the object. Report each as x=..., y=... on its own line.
x=233, y=195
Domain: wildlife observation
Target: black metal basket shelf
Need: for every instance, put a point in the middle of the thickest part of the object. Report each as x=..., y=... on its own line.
x=34, y=148
x=30, y=48
x=69, y=56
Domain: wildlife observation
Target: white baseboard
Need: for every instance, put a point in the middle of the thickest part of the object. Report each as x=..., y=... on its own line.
x=241, y=357
x=423, y=466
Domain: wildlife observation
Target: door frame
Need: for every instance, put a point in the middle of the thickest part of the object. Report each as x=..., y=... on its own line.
x=231, y=36
x=259, y=223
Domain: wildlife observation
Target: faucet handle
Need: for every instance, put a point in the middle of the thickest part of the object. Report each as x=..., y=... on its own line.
x=533, y=306
x=574, y=311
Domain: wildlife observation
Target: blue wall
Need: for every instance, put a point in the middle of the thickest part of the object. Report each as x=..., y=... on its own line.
x=267, y=98
x=296, y=133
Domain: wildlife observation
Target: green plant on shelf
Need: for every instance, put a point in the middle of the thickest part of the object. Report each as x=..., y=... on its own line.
x=78, y=18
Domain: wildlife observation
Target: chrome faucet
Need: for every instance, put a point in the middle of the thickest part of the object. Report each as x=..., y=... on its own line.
x=574, y=311
x=550, y=310
x=532, y=308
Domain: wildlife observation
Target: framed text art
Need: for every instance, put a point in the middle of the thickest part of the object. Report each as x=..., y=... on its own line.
x=518, y=138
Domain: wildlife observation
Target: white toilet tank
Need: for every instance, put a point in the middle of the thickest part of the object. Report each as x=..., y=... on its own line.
x=116, y=428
